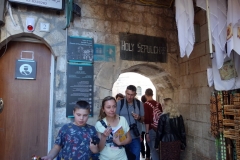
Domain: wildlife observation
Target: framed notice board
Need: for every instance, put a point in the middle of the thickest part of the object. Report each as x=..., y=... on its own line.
x=79, y=85
x=80, y=49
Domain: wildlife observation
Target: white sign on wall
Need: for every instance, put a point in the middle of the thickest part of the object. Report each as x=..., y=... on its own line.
x=55, y=4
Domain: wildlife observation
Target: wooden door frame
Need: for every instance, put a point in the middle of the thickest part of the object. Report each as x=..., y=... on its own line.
x=51, y=90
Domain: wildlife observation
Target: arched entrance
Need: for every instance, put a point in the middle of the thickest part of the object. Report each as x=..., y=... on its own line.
x=24, y=120
x=141, y=82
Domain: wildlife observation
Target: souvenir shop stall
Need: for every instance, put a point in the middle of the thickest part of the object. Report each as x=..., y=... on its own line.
x=225, y=123
x=223, y=22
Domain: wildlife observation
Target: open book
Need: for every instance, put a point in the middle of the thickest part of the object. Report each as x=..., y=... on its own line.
x=119, y=132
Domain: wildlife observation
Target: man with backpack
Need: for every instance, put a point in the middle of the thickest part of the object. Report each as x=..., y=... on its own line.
x=132, y=109
x=152, y=110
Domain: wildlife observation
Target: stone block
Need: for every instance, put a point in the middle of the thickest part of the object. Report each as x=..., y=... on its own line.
x=198, y=50
x=157, y=11
x=60, y=94
x=142, y=9
x=186, y=81
x=212, y=150
x=166, y=22
x=60, y=116
x=172, y=47
x=9, y=29
x=173, y=67
x=183, y=59
x=93, y=11
x=55, y=37
x=155, y=31
x=61, y=63
x=204, y=32
x=199, y=112
x=201, y=146
x=205, y=62
x=200, y=79
x=194, y=99
x=135, y=28
x=120, y=27
x=200, y=17
x=149, y=19
x=204, y=94
x=206, y=113
x=192, y=112
x=184, y=111
x=190, y=125
x=59, y=50
x=104, y=93
x=113, y=39
x=184, y=96
x=186, y=155
x=183, y=70
x=194, y=65
x=132, y=17
x=86, y=23
x=207, y=131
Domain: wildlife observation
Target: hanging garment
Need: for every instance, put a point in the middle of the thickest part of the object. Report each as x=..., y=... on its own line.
x=233, y=83
x=184, y=20
x=218, y=23
x=233, y=26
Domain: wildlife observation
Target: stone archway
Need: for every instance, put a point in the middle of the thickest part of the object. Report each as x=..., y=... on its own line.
x=161, y=76
x=165, y=84
x=140, y=81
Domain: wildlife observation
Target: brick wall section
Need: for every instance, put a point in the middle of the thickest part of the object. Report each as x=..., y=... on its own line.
x=194, y=97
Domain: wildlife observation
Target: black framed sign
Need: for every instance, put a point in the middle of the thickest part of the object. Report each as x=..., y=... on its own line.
x=79, y=49
x=136, y=47
x=79, y=85
x=25, y=69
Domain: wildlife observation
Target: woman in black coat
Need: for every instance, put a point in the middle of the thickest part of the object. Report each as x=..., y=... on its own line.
x=170, y=136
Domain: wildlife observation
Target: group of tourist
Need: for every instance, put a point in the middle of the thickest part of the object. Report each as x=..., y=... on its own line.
x=124, y=124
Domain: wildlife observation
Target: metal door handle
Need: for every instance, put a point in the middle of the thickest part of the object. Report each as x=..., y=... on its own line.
x=1, y=104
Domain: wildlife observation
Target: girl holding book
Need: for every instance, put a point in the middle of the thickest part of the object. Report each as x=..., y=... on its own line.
x=113, y=131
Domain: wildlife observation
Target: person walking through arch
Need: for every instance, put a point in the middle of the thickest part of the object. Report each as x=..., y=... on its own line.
x=145, y=150
x=171, y=135
x=152, y=110
x=133, y=111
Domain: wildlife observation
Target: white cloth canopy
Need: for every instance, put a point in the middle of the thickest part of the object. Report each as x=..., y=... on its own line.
x=184, y=20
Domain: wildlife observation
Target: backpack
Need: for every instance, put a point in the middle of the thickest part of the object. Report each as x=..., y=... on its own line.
x=156, y=115
x=122, y=103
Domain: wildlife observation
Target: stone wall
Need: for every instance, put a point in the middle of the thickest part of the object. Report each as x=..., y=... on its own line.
x=194, y=96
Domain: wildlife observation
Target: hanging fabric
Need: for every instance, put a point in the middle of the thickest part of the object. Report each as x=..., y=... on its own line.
x=233, y=26
x=218, y=23
x=230, y=84
x=185, y=21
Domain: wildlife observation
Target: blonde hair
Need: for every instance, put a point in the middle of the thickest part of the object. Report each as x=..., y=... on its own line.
x=169, y=107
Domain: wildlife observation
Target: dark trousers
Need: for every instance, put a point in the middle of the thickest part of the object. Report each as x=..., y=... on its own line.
x=143, y=150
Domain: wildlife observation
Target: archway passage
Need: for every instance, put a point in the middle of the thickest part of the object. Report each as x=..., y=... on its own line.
x=130, y=78
x=24, y=118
